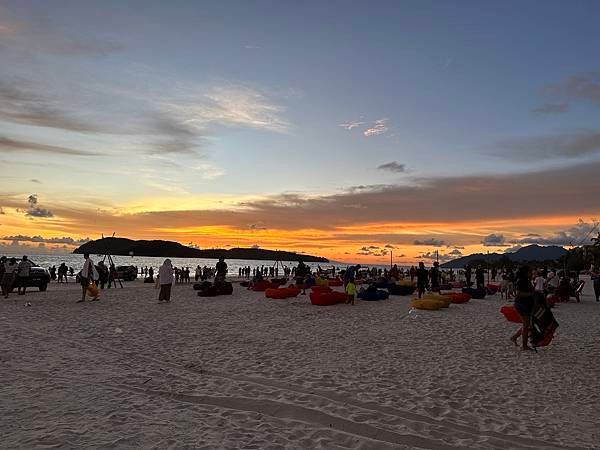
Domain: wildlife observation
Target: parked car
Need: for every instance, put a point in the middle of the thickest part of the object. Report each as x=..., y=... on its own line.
x=127, y=273
x=38, y=277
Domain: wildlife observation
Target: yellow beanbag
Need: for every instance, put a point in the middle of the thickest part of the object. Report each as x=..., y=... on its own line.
x=429, y=304
x=440, y=298
x=321, y=281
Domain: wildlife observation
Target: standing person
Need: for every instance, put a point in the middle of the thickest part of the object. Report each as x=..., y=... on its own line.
x=2, y=270
x=524, y=305
x=413, y=273
x=479, y=277
x=422, y=277
x=552, y=283
x=198, y=273
x=350, y=292
x=435, y=277
x=539, y=282
x=349, y=275
x=165, y=276
x=62, y=273
x=595, y=275
x=468, y=275
x=9, y=275
x=221, y=269
x=102, y=274
x=23, y=271
x=87, y=275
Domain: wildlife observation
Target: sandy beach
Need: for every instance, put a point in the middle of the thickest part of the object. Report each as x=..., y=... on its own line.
x=248, y=372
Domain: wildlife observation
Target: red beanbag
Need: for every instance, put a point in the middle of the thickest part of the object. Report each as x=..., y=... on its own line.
x=511, y=314
x=321, y=289
x=327, y=298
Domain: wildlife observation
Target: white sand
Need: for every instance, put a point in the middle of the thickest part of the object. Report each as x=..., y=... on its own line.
x=249, y=372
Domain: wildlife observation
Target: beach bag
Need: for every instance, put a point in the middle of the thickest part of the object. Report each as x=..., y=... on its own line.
x=543, y=326
x=93, y=290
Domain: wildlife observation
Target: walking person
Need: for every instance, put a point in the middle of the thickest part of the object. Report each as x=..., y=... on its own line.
x=87, y=275
x=524, y=305
x=23, y=271
x=595, y=275
x=165, y=277
x=422, y=279
x=9, y=276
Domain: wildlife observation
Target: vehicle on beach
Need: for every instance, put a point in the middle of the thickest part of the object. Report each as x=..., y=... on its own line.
x=38, y=277
x=127, y=273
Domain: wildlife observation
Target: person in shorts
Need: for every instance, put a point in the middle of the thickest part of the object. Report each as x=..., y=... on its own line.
x=524, y=302
x=350, y=292
x=87, y=275
x=23, y=272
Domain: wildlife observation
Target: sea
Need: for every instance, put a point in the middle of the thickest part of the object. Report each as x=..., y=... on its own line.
x=76, y=262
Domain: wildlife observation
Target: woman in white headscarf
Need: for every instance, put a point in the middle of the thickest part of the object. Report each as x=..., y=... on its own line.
x=165, y=275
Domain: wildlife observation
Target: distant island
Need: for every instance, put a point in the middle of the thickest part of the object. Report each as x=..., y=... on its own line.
x=129, y=247
x=529, y=253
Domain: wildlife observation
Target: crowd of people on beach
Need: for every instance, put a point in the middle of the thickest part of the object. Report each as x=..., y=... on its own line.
x=13, y=273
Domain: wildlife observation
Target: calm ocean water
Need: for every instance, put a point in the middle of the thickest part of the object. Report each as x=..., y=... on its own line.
x=76, y=261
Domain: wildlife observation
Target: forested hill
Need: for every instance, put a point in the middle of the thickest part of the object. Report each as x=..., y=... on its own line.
x=128, y=247
x=529, y=253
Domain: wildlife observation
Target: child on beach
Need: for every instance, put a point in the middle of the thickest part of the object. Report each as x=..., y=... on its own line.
x=350, y=292
x=505, y=288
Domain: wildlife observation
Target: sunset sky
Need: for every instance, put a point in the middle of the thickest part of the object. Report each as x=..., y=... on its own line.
x=340, y=128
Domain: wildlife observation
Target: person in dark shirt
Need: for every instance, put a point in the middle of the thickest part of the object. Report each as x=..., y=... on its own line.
x=221, y=269
x=435, y=277
x=468, y=275
x=422, y=279
x=479, y=277
x=524, y=305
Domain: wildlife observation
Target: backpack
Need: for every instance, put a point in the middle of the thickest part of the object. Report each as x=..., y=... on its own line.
x=543, y=326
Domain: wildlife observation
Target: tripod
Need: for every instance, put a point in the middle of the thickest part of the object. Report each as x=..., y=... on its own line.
x=113, y=276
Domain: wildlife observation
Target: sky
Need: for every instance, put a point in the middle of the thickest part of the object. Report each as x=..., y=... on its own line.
x=356, y=130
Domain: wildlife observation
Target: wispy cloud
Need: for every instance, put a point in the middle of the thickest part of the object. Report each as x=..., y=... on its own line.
x=373, y=250
x=436, y=256
x=351, y=125
x=38, y=239
x=39, y=36
x=23, y=102
x=34, y=210
x=378, y=127
x=161, y=119
x=566, y=145
x=433, y=242
x=393, y=166
x=551, y=108
x=494, y=240
x=17, y=146
x=577, y=87
x=579, y=234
